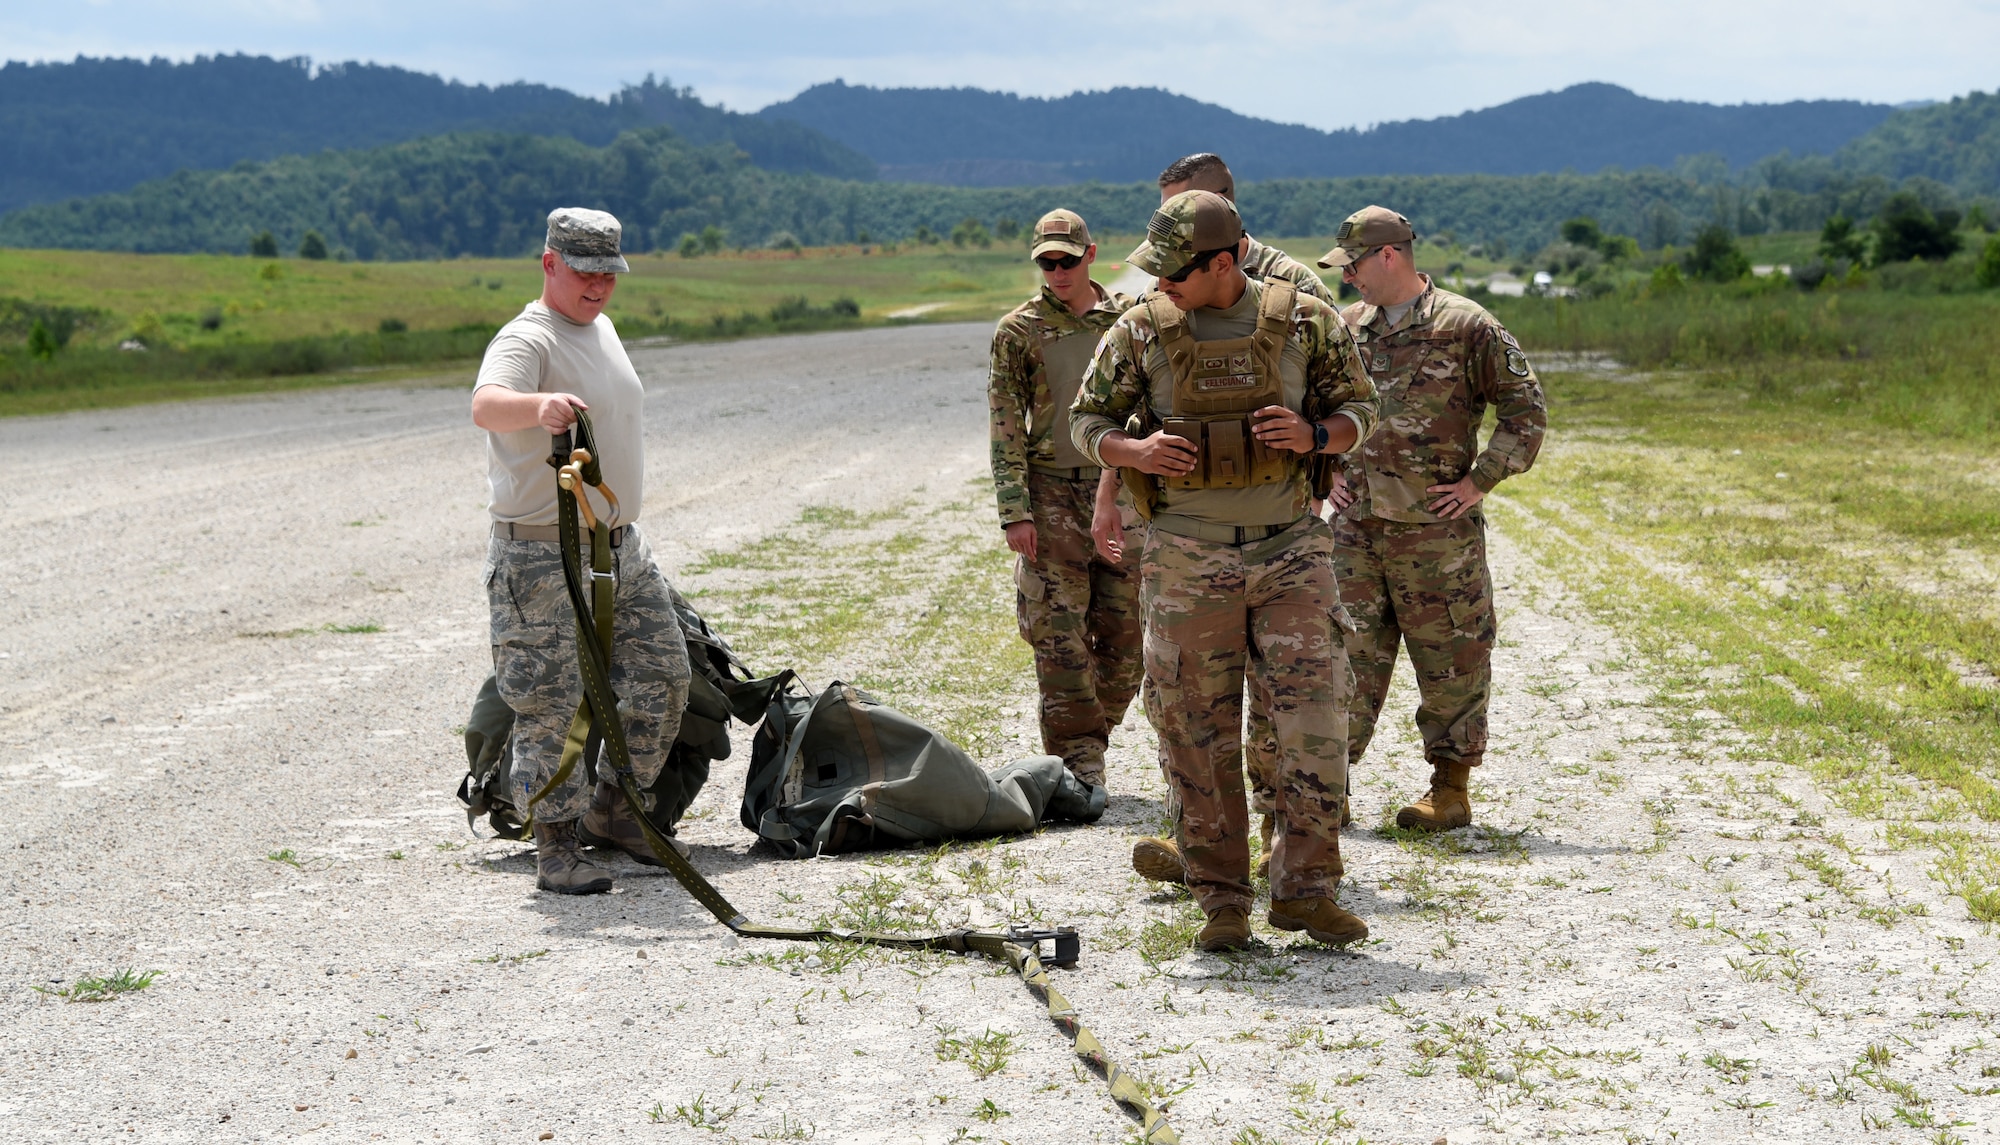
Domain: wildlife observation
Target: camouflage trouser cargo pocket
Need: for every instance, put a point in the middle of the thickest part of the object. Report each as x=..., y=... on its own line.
x=534, y=663
x=1163, y=663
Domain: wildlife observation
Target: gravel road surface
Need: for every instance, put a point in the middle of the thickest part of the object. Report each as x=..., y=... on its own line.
x=237, y=637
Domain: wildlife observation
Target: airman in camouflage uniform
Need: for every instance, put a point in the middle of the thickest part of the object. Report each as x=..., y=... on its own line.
x=1158, y=858
x=560, y=355
x=1077, y=610
x=1410, y=541
x=1235, y=570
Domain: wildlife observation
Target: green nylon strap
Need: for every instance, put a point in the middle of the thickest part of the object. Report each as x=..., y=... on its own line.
x=581, y=739
x=598, y=714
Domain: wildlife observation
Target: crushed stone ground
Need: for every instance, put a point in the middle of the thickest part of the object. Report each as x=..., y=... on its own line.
x=1652, y=936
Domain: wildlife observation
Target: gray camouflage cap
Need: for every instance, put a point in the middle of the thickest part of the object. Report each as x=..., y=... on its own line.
x=1187, y=225
x=587, y=240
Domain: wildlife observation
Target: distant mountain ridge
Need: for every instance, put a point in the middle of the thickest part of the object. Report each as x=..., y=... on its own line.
x=690, y=165
x=97, y=125
x=973, y=137
x=1955, y=142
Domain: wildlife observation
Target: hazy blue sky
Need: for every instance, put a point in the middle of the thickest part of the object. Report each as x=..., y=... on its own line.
x=1328, y=64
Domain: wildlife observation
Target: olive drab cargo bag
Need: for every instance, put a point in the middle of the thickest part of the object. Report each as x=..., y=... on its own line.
x=718, y=689
x=840, y=771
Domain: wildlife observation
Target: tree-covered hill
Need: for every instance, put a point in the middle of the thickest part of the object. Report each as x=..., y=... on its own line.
x=488, y=193
x=95, y=125
x=972, y=137
x=1956, y=143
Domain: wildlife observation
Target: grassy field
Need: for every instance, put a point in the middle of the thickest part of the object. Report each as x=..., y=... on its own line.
x=1801, y=525
x=219, y=324
x=246, y=299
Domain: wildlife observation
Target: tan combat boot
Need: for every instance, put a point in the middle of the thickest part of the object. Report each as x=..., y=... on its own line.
x=1264, y=832
x=609, y=823
x=1159, y=860
x=1228, y=929
x=560, y=865
x=1447, y=805
x=1321, y=919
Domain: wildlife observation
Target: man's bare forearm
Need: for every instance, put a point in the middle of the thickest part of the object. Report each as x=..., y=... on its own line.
x=498, y=409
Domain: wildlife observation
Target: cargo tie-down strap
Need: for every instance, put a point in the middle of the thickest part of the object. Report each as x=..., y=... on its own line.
x=597, y=719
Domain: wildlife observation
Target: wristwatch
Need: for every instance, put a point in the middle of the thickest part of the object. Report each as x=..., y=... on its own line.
x=1319, y=437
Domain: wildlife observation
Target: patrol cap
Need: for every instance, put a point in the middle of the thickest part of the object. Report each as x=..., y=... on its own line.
x=1185, y=226
x=587, y=240
x=1365, y=230
x=1061, y=230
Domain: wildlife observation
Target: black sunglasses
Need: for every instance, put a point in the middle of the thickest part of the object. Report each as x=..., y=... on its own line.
x=1052, y=262
x=1198, y=262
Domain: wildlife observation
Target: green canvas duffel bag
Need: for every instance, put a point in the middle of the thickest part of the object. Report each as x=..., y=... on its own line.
x=841, y=771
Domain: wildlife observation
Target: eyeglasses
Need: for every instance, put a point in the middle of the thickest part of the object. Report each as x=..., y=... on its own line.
x=1198, y=262
x=1052, y=262
x=1355, y=264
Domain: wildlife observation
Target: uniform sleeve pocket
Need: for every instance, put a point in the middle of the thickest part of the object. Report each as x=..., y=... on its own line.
x=1346, y=623
x=1163, y=660
x=1027, y=579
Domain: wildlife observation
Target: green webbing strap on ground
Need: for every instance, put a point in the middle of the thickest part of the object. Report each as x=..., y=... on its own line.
x=1020, y=949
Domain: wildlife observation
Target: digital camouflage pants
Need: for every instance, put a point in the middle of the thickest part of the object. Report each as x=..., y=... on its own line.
x=1426, y=585
x=1080, y=614
x=534, y=661
x=1220, y=612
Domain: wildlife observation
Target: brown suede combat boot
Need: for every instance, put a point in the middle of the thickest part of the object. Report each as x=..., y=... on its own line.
x=1264, y=831
x=1321, y=919
x=1159, y=860
x=560, y=865
x=1228, y=929
x=609, y=823
x=1448, y=803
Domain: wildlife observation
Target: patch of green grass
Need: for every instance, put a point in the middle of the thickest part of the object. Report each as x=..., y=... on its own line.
x=1162, y=940
x=103, y=988
x=879, y=904
x=697, y=1114
x=292, y=633
x=1868, y=358
x=1818, y=571
x=513, y=959
x=919, y=603
x=985, y=1054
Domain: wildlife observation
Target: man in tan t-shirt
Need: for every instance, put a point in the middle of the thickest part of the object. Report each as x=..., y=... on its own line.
x=560, y=355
